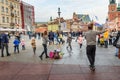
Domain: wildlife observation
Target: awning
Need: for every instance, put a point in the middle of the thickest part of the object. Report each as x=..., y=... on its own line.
x=41, y=29
x=8, y=29
x=66, y=30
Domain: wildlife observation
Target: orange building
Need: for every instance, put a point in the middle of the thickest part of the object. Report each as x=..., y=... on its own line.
x=113, y=11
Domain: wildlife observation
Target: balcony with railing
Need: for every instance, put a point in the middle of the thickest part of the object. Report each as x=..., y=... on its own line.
x=12, y=15
x=11, y=6
x=12, y=24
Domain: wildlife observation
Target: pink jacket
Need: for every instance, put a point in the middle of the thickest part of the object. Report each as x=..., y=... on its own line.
x=80, y=40
x=22, y=42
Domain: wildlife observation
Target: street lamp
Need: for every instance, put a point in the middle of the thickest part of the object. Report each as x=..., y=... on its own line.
x=59, y=17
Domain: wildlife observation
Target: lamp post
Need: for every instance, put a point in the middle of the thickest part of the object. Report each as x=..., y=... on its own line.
x=59, y=18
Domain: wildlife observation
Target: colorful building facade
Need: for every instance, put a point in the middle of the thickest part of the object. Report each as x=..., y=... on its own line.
x=80, y=21
x=10, y=14
x=113, y=12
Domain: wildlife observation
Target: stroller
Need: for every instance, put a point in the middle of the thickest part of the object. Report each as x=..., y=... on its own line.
x=101, y=41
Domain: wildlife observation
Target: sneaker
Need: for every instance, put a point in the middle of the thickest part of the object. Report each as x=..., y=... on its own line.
x=93, y=69
x=47, y=56
x=40, y=57
x=2, y=56
x=8, y=54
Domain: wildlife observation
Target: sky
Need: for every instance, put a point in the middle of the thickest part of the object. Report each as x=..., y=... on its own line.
x=44, y=9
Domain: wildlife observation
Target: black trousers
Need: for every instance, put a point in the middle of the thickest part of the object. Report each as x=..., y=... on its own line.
x=80, y=46
x=106, y=44
x=4, y=45
x=110, y=41
x=90, y=51
x=23, y=47
x=69, y=45
x=0, y=45
x=34, y=50
x=45, y=50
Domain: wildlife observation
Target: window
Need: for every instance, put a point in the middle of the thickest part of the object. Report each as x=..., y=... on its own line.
x=10, y=3
x=2, y=1
x=16, y=21
x=15, y=5
x=112, y=8
x=3, y=19
x=15, y=12
x=2, y=9
x=18, y=13
x=6, y=2
x=7, y=19
x=6, y=10
x=18, y=6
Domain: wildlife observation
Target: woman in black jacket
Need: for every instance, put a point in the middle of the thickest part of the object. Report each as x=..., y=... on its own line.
x=116, y=43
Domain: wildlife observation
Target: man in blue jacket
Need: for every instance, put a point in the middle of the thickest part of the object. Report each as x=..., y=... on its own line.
x=4, y=44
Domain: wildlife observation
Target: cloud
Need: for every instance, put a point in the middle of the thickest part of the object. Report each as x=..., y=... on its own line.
x=44, y=9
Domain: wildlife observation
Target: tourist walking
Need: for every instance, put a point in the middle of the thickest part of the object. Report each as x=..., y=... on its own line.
x=38, y=35
x=106, y=38
x=80, y=41
x=44, y=43
x=69, y=40
x=116, y=43
x=51, y=37
x=33, y=43
x=4, y=44
x=23, y=44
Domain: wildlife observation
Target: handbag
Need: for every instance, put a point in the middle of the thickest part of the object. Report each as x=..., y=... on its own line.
x=116, y=43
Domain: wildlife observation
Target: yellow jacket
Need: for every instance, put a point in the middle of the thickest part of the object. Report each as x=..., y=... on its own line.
x=106, y=35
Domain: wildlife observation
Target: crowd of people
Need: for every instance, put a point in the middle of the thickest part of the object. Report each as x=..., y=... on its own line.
x=103, y=38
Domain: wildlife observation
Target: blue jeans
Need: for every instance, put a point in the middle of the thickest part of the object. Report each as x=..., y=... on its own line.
x=16, y=47
x=45, y=50
x=116, y=53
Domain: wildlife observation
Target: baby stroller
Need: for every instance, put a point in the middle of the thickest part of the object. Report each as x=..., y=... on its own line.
x=101, y=41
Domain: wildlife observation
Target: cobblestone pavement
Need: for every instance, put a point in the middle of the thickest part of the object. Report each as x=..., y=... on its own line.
x=27, y=66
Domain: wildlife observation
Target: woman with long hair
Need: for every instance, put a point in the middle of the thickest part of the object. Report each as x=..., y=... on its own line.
x=45, y=41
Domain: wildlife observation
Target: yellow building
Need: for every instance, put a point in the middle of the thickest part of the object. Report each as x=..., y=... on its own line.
x=10, y=14
x=53, y=27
